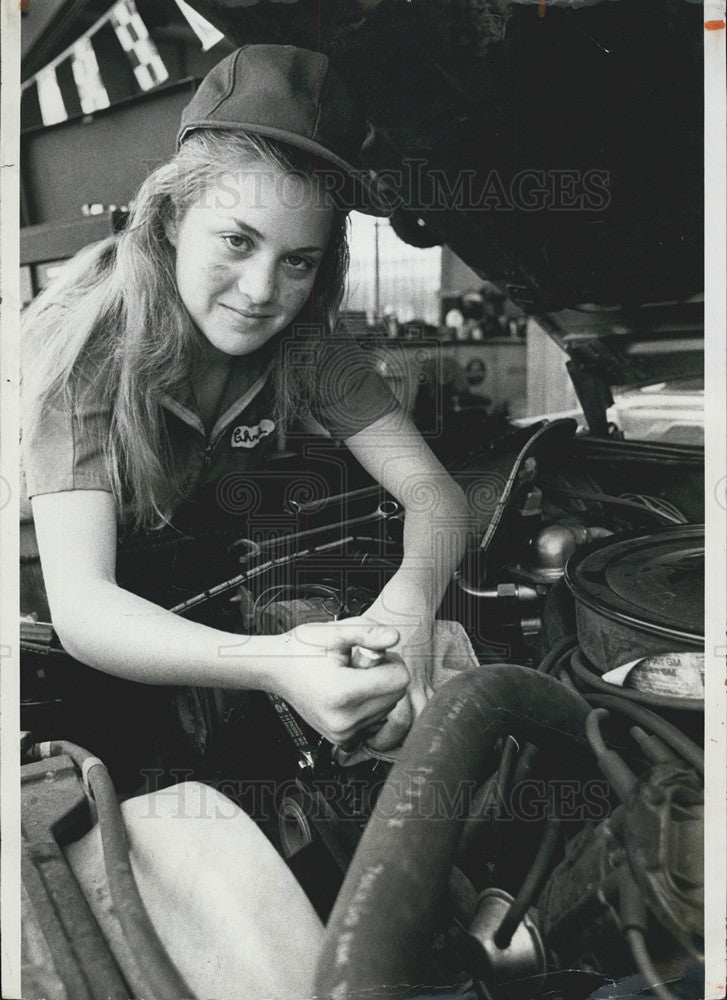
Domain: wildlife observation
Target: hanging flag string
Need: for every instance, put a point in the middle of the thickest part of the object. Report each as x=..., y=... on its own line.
x=140, y=50
x=67, y=52
x=138, y=47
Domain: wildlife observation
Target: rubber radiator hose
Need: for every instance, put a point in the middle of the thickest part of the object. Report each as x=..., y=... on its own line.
x=379, y=932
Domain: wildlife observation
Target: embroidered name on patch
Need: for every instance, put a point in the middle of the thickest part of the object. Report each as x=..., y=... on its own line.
x=248, y=437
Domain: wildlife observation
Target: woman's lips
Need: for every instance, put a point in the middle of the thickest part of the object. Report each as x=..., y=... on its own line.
x=246, y=314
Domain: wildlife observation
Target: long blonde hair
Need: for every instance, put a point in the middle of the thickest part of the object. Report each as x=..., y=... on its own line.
x=113, y=326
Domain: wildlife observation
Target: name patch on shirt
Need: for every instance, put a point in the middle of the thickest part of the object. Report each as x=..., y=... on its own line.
x=248, y=437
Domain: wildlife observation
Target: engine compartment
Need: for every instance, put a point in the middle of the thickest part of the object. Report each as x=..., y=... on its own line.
x=540, y=832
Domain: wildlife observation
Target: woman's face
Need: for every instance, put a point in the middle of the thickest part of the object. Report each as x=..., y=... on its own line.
x=247, y=253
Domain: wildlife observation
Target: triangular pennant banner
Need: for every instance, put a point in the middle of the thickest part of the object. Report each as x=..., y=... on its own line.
x=206, y=32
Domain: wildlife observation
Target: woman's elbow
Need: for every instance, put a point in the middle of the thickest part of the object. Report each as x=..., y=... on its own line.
x=76, y=620
x=464, y=512
x=460, y=507
x=73, y=635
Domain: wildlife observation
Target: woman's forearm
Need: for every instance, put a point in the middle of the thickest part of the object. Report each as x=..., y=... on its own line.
x=113, y=630
x=434, y=546
x=308, y=666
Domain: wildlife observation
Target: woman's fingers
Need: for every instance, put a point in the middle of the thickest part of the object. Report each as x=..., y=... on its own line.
x=395, y=728
x=367, y=697
x=419, y=696
x=402, y=717
x=377, y=710
x=387, y=681
x=319, y=681
x=367, y=728
x=365, y=720
x=341, y=636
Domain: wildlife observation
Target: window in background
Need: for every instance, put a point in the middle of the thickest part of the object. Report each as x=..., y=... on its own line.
x=393, y=276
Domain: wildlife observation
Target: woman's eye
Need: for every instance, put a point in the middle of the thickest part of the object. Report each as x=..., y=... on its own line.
x=236, y=241
x=300, y=263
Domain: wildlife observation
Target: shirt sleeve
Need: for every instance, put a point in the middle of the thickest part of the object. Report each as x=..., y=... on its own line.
x=66, y=451
x=349, y=393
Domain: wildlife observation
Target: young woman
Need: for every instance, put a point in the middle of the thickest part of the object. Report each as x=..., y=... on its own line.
x=152, y=369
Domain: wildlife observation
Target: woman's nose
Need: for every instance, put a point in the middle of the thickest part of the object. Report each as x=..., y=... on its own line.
x=257, y=281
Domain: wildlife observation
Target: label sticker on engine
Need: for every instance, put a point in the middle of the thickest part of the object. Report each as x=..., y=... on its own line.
x=680, y=675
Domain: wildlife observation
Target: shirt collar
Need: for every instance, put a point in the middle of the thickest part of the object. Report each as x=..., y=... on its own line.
x=245, y=382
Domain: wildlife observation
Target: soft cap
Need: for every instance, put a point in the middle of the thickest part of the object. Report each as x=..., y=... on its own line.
x=283, y=92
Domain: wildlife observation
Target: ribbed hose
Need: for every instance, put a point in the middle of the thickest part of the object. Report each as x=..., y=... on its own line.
x=163, y=981
x=380, y=928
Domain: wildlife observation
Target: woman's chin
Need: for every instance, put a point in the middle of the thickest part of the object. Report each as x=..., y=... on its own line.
x=238, y=343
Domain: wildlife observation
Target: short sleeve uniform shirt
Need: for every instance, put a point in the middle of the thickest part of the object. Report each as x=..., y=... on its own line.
x=347, y=395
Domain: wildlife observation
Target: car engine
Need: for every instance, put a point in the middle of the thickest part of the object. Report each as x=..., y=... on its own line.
x=540, y=832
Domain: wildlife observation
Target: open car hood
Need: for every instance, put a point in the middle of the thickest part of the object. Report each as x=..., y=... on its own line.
x=557, y=150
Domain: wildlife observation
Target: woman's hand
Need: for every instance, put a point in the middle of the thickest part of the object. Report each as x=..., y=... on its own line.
x=415, y=629
x=316, y=677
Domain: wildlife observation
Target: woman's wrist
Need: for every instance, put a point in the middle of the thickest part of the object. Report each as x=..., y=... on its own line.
x=272, y=664
x=249, y=662
x=407, y=596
